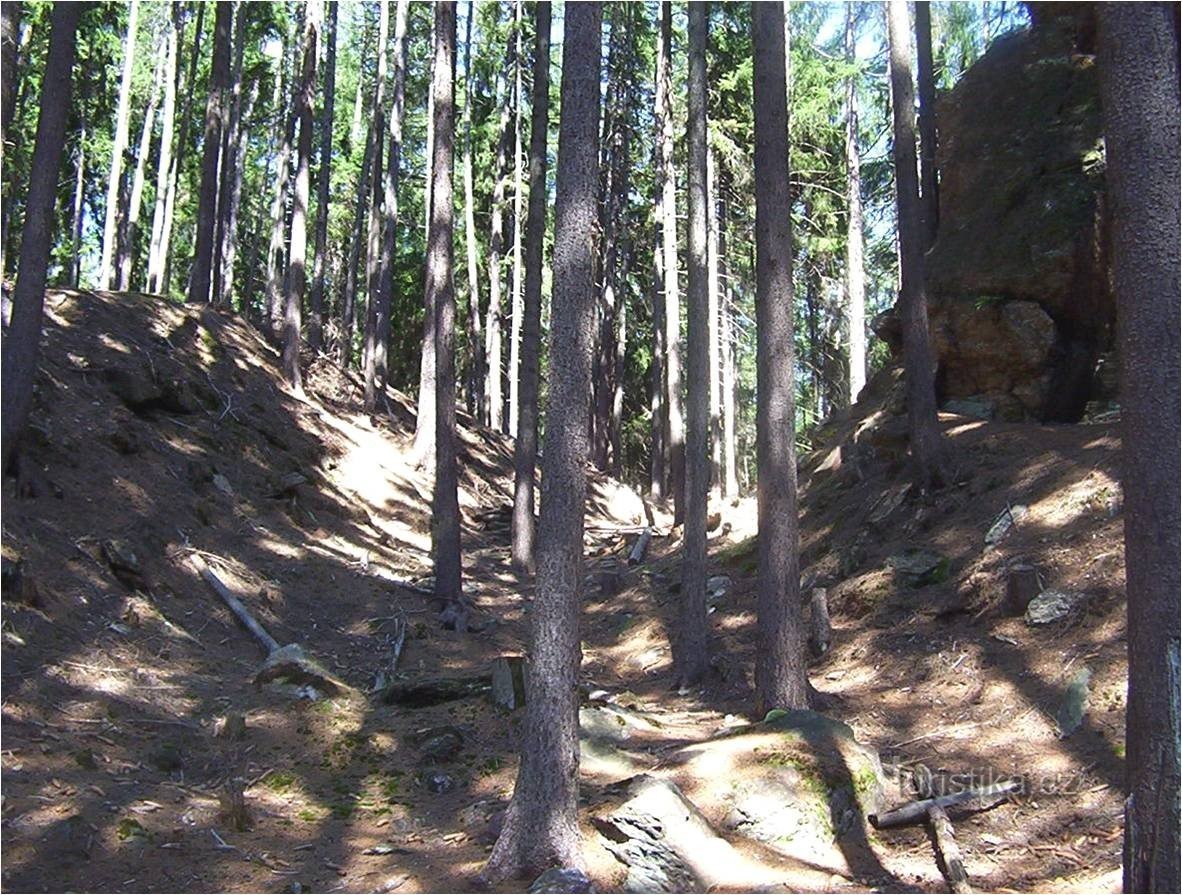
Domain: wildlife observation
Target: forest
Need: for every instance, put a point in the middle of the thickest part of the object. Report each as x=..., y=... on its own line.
x=705, y=446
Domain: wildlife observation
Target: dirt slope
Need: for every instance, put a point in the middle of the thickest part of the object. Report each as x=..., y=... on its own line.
x=165, y=430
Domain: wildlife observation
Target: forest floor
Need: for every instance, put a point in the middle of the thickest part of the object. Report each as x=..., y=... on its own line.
x=163, y=431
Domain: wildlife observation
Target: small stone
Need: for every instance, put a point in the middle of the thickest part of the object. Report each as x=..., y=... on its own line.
x=1052, y=605
x=441, y=744
x=85, y=759
x=1005, y=521
x=223, y=484
x=563, y=880
x=976, y=408
x=1075, y=703
x=919, y=566
x=718, y=584
x=439, y=782
x=121, y=556
x=16, y=583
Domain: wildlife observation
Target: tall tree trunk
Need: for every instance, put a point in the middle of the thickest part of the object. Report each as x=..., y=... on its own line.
x=275, y=266
x=440, y=283
x=234, y=205
x=928, y=450
x=494, y=399
x=22, y=343
x=516, y=302
x=316, y=309
x=525, y=448
x=855, y=276
x=390, y=205
x=676, y=440
x=660, y=419
x=373, y=266
x=1139, y=54
x=423, y=448
x=132, y=213
x=726, y=338
x=10, y=27
x=349, y=284
x=230, y=171
x=929, y=183
x=780, y=679
x=178, y=158
x=541, y=825
x=118, y=147
x=715, y=376
x=203, y=254
x=690, y=641
x=476, y=371
x=297, y=261
x=164, y=156
x=79, y=196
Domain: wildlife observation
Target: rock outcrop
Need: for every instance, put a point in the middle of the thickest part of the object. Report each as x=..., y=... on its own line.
x=1020, y=301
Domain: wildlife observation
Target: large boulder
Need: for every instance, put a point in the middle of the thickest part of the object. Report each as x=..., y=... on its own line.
x=1021, y=305
x=798, y=782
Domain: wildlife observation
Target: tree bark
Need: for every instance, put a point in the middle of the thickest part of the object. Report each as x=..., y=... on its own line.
x=855, y=276
x=229, y=170
x=164, y=156
x=780, y=679
x=712, y=266
x=79, y=196
x=349, y=284
x=10, y=26
x=726, y=338
x=11, y=89
x=373, y=266
x=676, y=439
x=118, y=147
x=203, y=253
x=516, y=304
x=22, y=343
x=659, y=417
x=690, y=643
x=494, y=397
x=541, y=825
x=928, y=450
x=127, y=246
x=316, y=308
x=930, y=195
x=525, y=448
x=476, y=372
x=1139, y=54
x=165, y=260
x=297, y=260
x=423, y=448
x=446, y=507
x=389, y=231
x=275, y=267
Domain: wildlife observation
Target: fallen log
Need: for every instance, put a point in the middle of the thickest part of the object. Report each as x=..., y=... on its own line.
x=269, y=643
x=976, y=799
x=420, y=694
x=948, y=851
x=283, y=662
x=640, y=548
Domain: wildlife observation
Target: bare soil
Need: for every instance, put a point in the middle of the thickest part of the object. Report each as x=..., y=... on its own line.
x=167, y=430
